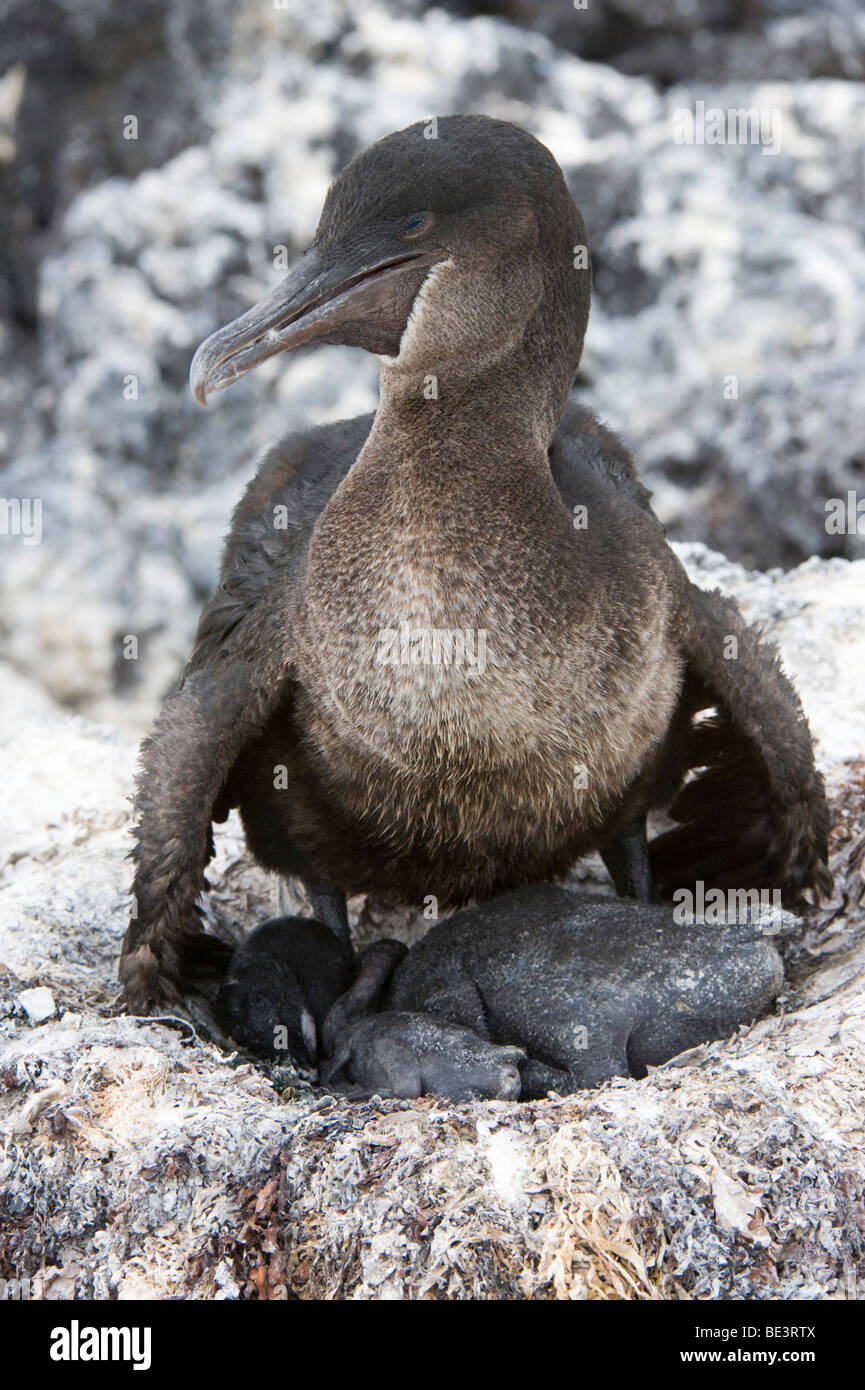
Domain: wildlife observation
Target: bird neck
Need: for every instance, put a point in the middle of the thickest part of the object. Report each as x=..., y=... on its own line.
x=462, y=414
x=488, y=357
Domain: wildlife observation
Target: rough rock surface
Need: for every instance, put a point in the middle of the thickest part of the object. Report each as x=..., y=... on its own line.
x=709, y=40
x=139, y=1160
x=712, y=262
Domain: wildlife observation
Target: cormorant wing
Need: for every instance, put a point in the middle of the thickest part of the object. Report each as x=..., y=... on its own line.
x=754, y=814
x=272, y=525
x=582, y=445
x=240, y=669
x=739, y=775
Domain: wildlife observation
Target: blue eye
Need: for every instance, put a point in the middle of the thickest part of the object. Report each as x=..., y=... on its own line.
x=414, y=222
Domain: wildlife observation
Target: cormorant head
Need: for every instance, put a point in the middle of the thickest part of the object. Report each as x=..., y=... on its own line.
x=444, y=245
x=280, y=983
x=267, y=1011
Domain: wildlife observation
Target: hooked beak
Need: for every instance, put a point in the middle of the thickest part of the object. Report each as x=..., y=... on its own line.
x=362, y=302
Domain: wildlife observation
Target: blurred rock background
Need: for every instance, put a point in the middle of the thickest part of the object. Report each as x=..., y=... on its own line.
x=120, y=254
